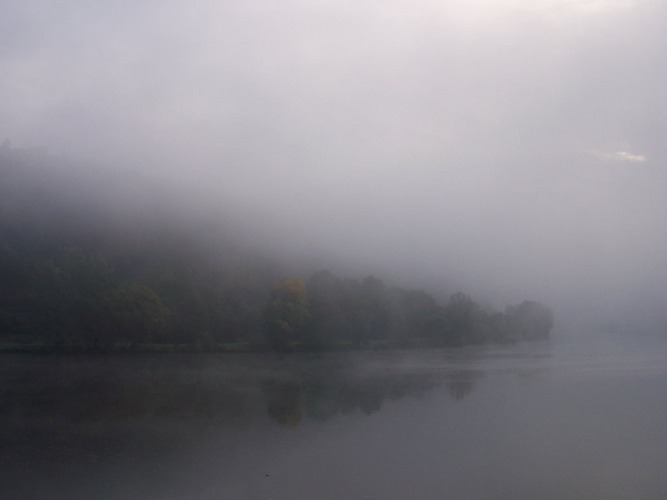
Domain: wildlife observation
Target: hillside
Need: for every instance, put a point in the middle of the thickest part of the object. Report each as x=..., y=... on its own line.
x=93, y=261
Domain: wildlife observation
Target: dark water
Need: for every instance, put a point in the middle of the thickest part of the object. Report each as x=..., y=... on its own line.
x=527, y=423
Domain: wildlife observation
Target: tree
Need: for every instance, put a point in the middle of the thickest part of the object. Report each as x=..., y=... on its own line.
x=84, y=279
x=287, y=313
x=424, y=318
x=327, y=321
x=529, y=321
x=135, y=312
x=364, y=307
x=461, y=312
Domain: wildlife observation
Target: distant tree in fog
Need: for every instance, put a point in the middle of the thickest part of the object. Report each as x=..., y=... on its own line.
x=287, y=313
x=529, y=321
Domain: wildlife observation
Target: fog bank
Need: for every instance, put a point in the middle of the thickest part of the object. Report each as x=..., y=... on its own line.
x=509, y=149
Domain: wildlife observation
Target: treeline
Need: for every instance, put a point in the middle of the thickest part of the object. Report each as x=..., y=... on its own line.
x=327, y=311
x=73, y=298
x=82, y=270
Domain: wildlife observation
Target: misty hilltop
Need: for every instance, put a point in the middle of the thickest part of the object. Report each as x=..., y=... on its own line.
x=87, y=263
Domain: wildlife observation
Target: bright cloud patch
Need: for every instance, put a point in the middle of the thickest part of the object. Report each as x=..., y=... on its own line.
x=621, y=156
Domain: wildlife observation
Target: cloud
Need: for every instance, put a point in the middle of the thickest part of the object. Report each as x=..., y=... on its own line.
x=620, y=156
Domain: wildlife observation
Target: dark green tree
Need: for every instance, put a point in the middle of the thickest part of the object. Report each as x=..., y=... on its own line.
x=328, y=323
x=135, y=313
x=529, y=321
x=287, y=314
x=462, y=315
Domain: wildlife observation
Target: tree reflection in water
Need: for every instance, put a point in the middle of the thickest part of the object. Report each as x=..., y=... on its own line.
x=335, y=393
x=77, y=394
x=460, y=383
x=71, y=413
x=285, y=402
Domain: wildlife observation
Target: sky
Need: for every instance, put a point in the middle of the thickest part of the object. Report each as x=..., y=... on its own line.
x=511, y=148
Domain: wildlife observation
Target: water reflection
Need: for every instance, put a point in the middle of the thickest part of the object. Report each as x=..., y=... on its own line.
x=85, y=393
x=461, y=382
x=332, y=394
x=50, y=392
x=285, y=402
x=428, y=424
x=66, y=417
x=325, y=397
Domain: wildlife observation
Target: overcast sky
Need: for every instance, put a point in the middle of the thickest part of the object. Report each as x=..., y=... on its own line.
x=514, y=148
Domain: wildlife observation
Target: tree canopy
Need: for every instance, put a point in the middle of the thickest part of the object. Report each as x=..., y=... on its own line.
x=76, y=271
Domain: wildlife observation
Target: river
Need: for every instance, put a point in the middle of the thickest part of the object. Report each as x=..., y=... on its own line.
x=522, y=422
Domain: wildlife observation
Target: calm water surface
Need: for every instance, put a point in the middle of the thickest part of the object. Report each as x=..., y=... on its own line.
x=511, y=423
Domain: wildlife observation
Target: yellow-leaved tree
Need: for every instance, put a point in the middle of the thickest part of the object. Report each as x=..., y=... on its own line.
x=287, y=313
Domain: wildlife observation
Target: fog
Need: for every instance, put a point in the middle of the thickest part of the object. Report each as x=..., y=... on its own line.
x=513, y=149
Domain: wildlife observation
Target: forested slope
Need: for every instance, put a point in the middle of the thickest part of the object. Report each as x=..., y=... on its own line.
x=96, y=262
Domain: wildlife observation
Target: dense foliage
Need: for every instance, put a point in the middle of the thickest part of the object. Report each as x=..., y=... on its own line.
x=81, y=269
